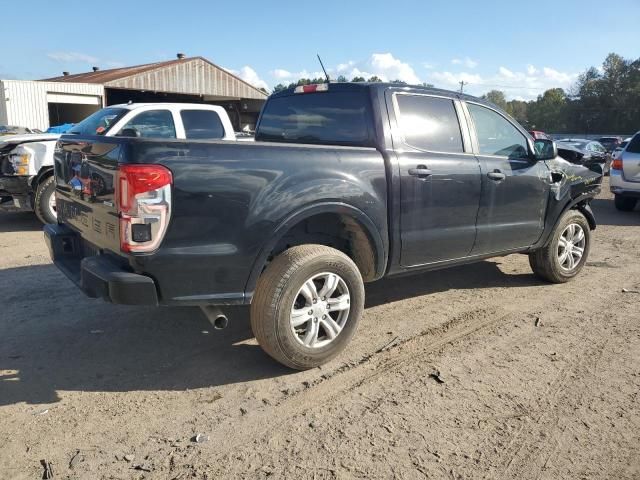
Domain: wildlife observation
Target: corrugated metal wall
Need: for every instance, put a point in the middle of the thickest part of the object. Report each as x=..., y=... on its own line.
x=3, y=106
x=24, y=102
x=196, y=77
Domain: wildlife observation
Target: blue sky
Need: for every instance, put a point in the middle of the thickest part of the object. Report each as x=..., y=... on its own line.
x=521, y=47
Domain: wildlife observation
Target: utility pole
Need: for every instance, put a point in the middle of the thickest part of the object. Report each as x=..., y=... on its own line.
x=462, y=84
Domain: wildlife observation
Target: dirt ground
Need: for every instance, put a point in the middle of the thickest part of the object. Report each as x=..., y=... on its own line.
x=480, y=371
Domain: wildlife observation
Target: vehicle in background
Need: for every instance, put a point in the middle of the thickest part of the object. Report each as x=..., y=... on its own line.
x=610, y=143
x=26, y=161
x=64, y=128
x=539, y=135
x=616, y=153
x=13, y=130
x=583, y=151
x=625, y=176
x=345, y=183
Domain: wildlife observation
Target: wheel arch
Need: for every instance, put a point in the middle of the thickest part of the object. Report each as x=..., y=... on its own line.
x=356, y=222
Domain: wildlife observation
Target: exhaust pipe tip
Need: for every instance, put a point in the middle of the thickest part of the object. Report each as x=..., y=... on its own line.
x=220, y=322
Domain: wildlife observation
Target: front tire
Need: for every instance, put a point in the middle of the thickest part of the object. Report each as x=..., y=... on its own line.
x=625, y=204
x=45, y=201
x=307, y=305
x=566, y=252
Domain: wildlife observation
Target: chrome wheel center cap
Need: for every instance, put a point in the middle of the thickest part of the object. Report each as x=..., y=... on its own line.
x=320, y=309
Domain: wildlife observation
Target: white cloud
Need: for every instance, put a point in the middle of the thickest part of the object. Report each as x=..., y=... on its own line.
x=280, y=74
x=387, y=67
x=428, y=66
x=249, y=75
x=343, y=67
x=526, y=85
x=70, y=57
x=466, y=61
x=451, y=81
x=506, y=73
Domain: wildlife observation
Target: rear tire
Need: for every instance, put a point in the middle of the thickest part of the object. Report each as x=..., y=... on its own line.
x=625, y=204
x=566, y=251
x=44, y=201
x=307, y=305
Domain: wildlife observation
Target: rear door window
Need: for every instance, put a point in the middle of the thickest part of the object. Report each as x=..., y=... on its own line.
x=202, y=124
x=496, y=135
x=152, y=124
x=634, y=145
x=429, y=123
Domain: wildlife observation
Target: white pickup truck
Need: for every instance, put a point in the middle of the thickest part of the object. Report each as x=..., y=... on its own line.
x=26, y=161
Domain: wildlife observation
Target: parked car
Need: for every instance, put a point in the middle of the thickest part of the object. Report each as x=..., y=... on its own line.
x=539, y=135
x=610, y=143
x=616, y=153
x=578, y=150
x=14, y=130
x=26, y=161
x=625, y=176
x=346, y=183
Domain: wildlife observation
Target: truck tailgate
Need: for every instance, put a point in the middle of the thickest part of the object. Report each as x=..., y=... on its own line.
x=86, y=180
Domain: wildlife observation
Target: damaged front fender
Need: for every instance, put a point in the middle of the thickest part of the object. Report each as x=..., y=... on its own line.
x=571, y=186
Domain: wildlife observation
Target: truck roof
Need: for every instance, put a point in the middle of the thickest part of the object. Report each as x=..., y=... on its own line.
x=354, y=86
x=134, y=106
x=345, y=86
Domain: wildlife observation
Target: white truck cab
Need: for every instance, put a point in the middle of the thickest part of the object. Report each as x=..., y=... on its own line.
x=26, y=161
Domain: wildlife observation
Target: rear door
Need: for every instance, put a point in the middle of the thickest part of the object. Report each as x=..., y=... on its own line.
x=515, y=188
x=631, y=160
x=439, y=179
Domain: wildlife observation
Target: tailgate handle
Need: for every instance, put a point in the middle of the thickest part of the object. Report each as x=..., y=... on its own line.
x=421, y=171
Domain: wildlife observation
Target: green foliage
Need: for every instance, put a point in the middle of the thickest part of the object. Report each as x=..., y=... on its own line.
x=374, y=79
x=497, y=98
x=358, y=79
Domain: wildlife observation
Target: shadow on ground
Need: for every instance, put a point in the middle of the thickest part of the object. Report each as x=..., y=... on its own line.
x=54, y=338
x=607, y=214
x=19, y=222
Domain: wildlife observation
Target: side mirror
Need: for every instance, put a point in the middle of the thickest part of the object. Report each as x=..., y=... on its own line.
x=545, y=149
x=129, y=132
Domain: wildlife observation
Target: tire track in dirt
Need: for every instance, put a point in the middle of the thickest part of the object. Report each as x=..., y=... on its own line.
x=355, y=375
x=527, y=455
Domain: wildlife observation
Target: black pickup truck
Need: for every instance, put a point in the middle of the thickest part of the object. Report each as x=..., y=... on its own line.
x=345, y=184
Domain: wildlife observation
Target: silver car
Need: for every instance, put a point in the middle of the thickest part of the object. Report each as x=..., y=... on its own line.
x=625, y=175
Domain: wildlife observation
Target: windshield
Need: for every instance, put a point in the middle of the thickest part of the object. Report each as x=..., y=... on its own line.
x=99, y=122
x=331, y=118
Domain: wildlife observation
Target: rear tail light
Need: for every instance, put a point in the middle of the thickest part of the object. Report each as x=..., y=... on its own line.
x=617, y=163
x=144, y=203
x=318, y=87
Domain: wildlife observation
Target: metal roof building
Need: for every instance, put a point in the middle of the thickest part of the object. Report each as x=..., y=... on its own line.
x=71, y=97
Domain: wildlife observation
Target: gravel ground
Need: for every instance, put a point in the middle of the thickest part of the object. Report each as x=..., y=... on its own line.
x=479, y=371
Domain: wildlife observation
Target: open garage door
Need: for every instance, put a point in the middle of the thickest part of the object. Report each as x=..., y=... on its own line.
x=69, y=108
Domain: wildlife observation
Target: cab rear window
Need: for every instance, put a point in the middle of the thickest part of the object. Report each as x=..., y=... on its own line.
x=327, y=118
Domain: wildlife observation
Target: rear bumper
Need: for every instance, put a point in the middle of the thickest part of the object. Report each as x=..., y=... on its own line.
x=621, y=186
x=97, y=276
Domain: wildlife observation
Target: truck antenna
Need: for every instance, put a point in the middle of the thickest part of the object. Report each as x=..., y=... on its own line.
x=323, y=69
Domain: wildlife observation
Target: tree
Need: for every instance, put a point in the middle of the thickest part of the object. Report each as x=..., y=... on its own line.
x=399, y=82
x=279, y=87
x=358, y=79
x=497, y=98
x=374, y=79
x=342, y=79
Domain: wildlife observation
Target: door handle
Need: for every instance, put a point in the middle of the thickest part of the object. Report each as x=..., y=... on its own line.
x=421, y=171
x=496, y=175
